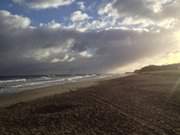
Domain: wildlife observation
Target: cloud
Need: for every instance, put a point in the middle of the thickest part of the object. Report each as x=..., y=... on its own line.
x=88, y=53
x=142, y=8
x=43, y=4
x=151, y=9
x=144, y=15
x=108, y=9
x=13, y=21
x=51, y=25
x=122, y=15
x=79, y=16
x=44, y=49
x=54, y=54
x=66, y=58
x=81, y=5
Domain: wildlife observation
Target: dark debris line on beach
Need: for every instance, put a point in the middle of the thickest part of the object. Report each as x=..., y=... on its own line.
x=136, y=105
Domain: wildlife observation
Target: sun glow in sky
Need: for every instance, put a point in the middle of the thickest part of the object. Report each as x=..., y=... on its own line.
x=170, y=58
x=177, y=37
x=173, y=58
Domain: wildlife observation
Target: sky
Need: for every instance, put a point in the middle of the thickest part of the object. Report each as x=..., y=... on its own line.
x=87, y=36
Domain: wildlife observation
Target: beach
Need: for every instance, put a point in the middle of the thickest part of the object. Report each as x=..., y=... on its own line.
x=146, y=103
x=48, y=89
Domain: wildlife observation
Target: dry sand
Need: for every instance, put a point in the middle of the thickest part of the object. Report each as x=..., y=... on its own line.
x=141, y=104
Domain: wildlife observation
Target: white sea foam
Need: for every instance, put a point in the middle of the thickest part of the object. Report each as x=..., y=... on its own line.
x=16, y=85
x=13, y=80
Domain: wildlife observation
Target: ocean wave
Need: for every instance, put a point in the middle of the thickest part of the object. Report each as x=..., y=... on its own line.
x=12, y=80
x=80, y=77
x=15, y=85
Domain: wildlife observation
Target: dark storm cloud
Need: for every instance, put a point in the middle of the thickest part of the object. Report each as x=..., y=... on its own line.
x=35, y=50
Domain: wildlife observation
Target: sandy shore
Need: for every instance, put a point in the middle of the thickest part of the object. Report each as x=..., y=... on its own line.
x=32, y=94
x=141, y=104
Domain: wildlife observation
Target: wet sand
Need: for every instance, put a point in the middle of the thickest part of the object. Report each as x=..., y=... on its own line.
x=140, y=104
x=32, y=94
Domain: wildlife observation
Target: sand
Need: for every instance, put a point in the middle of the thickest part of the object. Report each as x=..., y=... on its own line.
x=140, y=104
x=32, y=94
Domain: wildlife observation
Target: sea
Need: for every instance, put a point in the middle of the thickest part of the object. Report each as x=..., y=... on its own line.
x=14, y=84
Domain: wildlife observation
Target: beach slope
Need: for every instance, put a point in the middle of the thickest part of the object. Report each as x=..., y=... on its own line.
x=146, y=103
